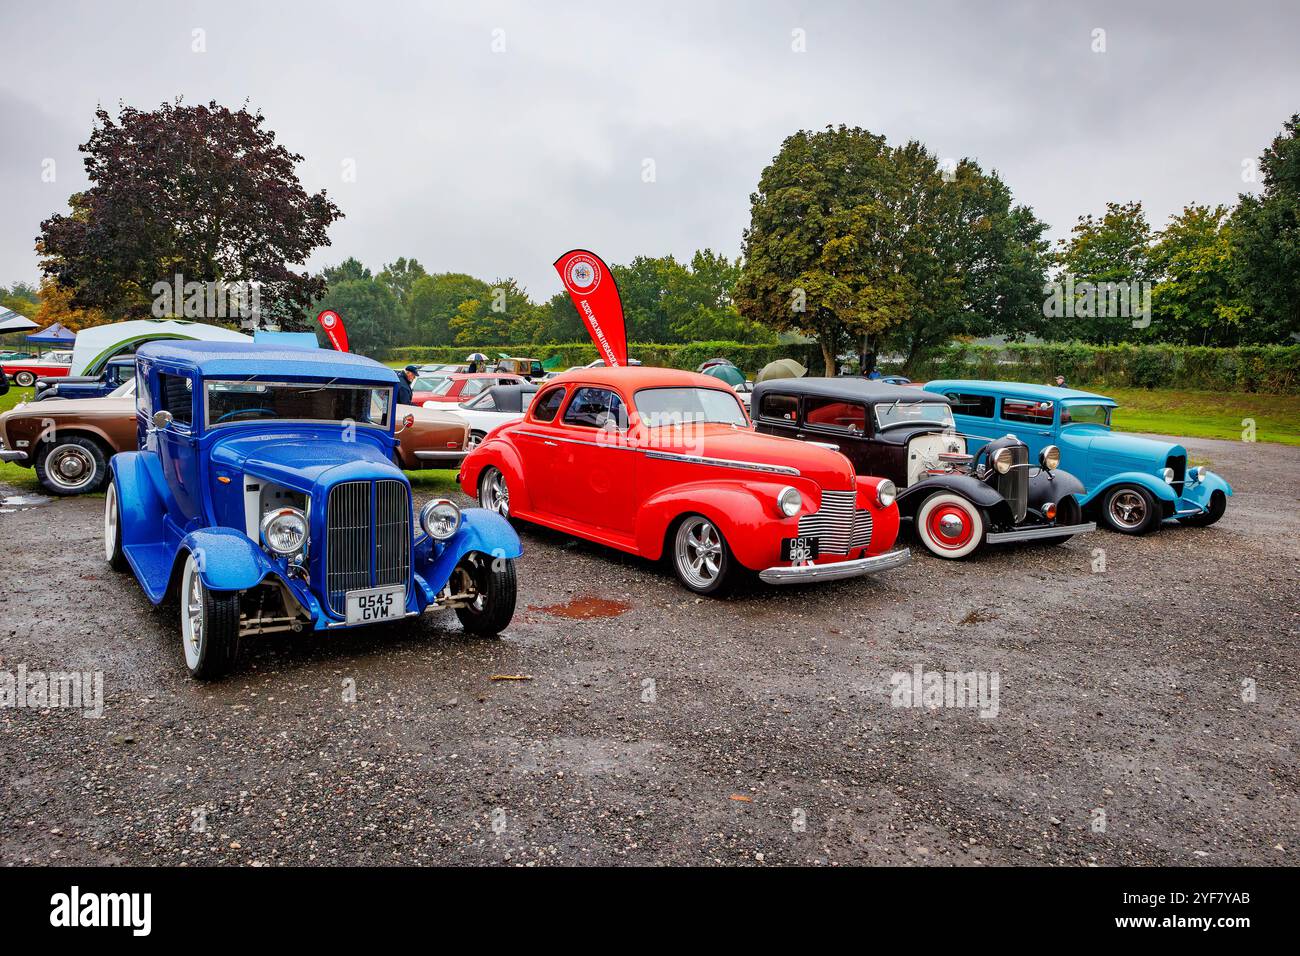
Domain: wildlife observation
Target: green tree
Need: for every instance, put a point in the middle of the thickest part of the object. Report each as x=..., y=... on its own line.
x=642, y=287
x=502, y=315
x=1266, y=236
x=1194, y=302
x=399, y=278
x=434, y=301
x=557, y=321
x=21, y=297
x=349, y=270
x=370, y=313
x=1103, y=253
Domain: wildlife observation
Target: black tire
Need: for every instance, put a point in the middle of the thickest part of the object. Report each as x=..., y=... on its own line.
x=71, y=466
x=474, y=439
x=215, y=651
x=497, y=589
x=24, y=379
x=1218, y=505
x=695, y=536
x=1130, y=509
x=113, y=531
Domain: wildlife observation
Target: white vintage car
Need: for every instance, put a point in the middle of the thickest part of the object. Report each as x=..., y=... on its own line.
x=492, y=407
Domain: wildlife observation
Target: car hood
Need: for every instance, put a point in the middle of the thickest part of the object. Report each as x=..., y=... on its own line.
x=304, y=460
x=81, y=407
x=1117, y=446
x=828, y=468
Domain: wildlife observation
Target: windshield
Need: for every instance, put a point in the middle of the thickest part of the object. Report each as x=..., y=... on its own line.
x=427, y=383
x=913, y=413
x=1086, y=415
x=681, y=406
x=444, y=386
x=244, y=401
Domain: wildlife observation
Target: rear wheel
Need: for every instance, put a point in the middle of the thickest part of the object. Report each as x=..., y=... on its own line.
x=493, y=494
x=701, y=557
x=209, y=625
x=1130, y=509
x=493, y=583
x=25, y=379
x=475, y=439
x=113, y=552
x=71, y=466
x=1218, y=505
x=950, y=526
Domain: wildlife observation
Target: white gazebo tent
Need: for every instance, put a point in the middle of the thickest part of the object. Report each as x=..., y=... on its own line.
x=11, y=321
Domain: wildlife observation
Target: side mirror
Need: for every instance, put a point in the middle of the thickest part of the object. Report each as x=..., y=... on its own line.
x=162, y=418
x=406, y=422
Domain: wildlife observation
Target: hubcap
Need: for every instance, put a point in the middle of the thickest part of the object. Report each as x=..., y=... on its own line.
x=949, y=527
x=475, y=439
x=496, y=493
x=699, y=551
x=1128, y=509
x=70, y=467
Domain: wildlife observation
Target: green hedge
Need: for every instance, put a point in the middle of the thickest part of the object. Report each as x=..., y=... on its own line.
x=1271, y=368
x=1267, y=368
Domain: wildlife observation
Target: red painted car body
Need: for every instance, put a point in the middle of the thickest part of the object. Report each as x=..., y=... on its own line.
x=26, y=371
x=465, y=385
x=630, y=487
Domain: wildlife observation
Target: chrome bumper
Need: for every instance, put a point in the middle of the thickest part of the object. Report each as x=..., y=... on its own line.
x=451, y=457
x=837, y=570
x=15, y=454
x=1034, y=533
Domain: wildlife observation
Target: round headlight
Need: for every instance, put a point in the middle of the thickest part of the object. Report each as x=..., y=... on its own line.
x=440, y=518
x=886, y=493
x=1050, y=457
x=284, y=531
x=1197, y=474
x=1169, y=476
x=789, y=501
x=1002, y=460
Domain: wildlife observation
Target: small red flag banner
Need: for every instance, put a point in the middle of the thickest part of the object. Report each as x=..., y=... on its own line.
x=591, y=286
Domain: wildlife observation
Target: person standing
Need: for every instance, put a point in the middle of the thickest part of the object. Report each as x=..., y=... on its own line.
x=404, y=380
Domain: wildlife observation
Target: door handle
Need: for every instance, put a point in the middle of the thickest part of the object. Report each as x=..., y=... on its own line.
x=551, y=443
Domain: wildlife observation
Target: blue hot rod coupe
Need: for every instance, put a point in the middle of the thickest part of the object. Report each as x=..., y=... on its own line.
x=265, y=497
x=1132, y=483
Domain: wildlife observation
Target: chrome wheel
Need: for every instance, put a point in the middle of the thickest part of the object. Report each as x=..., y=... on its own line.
x=494, y=495
x=699, y=553
x=475, y=439
x=71, y=467
x=1128, y=509
x=192, y=613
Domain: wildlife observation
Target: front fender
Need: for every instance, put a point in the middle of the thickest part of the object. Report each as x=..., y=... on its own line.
x=739, y=510
x=139, y=500
x=500, y=453
x=980, y=494
x=1052, y=487
x=480, y=530
x=228, y=559
x=1151, y=483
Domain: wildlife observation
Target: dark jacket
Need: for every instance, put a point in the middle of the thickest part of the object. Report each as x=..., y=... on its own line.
x=403, y=390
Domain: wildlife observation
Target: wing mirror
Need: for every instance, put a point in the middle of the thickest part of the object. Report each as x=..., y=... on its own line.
x=406, y=422
x=162, y=418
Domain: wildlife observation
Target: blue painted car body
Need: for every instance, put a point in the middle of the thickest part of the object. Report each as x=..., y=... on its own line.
x=1099, y=457
x=199, y=487
x=117, y=372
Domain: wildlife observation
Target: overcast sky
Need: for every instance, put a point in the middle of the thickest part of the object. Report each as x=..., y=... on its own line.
x=494, y=163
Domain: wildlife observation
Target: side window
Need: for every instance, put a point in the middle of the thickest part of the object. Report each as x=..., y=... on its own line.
x=596, y=408
x=548, y=405
x=1031, y=413
x=176, y=395
x=142, y=403
x=981, y=406
x=473, y=386
x=783, y=408
x=829, y=413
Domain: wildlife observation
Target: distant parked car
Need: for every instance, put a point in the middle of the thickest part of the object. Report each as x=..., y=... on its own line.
x=430, y=438
x=457, y=387
x=115, y=373
x=1132, y=483
x=25, y=372
x=424, y=386
x=496, y=406
x=264, y=496
x=69, y=442
x=529, y=368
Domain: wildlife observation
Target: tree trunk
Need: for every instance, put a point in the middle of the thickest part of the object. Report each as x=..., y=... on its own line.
x=828, y=353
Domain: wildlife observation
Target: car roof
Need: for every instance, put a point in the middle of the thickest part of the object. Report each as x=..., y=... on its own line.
x=1049, y=393
x=460, y=375
x=218, y=359
x=846, y=387
x=633, y=377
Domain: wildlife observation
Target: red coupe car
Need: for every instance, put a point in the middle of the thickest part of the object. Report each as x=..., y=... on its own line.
x=663, y=463
x=459, y=386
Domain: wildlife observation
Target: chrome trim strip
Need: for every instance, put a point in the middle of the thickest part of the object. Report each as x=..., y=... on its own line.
x=440, y=455
x=837, y=571
x=1030, y=534
x=12, y=455
x=724, y=463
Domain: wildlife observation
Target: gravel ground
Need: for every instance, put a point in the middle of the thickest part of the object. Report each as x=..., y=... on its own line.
x=658, y=728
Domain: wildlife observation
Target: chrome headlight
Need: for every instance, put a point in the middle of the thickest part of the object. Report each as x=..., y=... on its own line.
x=1050, y=457
x=1169, y=476
x=284, y=531
x=789, y=501
x=1002, y=460
x=440, y=519
x=886, y=493
x=1197, y=474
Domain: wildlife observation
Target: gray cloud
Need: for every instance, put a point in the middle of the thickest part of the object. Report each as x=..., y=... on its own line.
x=494, y=163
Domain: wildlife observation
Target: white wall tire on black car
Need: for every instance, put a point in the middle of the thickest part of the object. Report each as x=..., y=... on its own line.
x=949, y=526
x=209, y=625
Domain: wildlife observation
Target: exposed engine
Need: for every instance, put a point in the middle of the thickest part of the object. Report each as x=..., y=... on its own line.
x=935, y=454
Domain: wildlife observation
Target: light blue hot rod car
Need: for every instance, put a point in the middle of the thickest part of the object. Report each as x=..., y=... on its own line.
x=1131, y=483
x=264, y=495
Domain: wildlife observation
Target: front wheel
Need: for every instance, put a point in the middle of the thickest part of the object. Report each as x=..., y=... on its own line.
x=701, y=557
x=113, y=552
x=493, y=494
x=950, y=526
x=1218, y=505
x=475, y=439
x=209, y=625
x=71, y=466
x=1130, y=509
x=494, y=587
x=24, y=379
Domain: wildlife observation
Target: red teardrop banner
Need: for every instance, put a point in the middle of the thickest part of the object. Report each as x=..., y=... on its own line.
x=332, y=323
x=595, y=295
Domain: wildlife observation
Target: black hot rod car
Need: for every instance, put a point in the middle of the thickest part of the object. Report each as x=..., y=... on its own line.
x=956, y=501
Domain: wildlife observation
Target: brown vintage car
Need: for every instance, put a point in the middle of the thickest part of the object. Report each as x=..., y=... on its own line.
x=434, y=439
x=69, y=441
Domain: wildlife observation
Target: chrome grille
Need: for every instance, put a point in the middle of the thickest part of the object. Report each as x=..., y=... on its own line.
x=365, y=549
x=838, y=525
x=1014, y=485
x=1179, y=464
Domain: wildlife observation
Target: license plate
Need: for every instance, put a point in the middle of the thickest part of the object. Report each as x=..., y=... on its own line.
x=799, y=550
x=376, y=604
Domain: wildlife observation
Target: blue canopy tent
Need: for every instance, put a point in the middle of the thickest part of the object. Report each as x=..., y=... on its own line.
x=55, y=334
